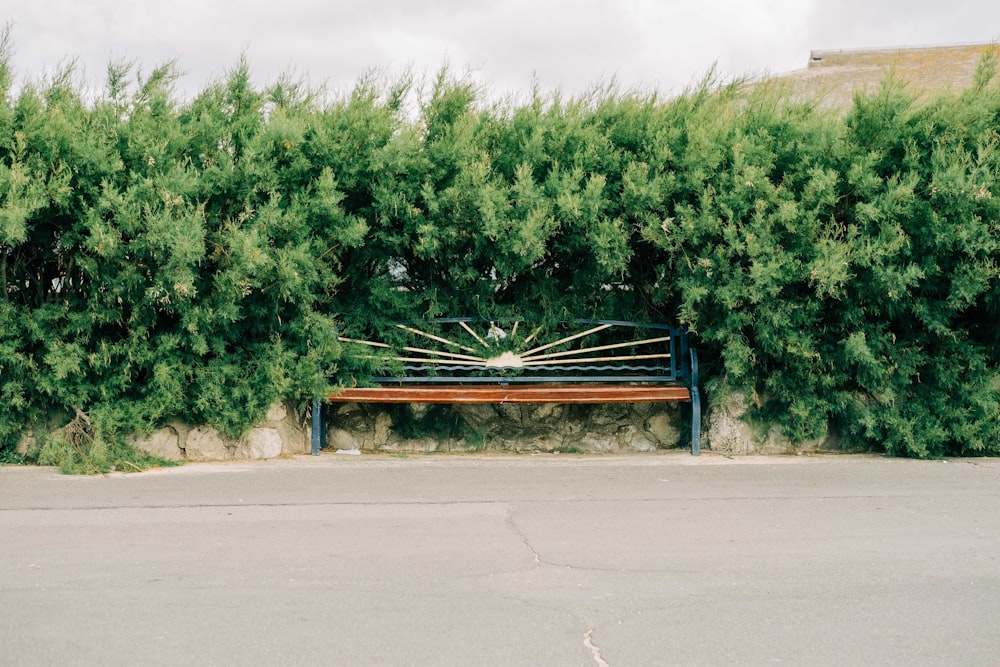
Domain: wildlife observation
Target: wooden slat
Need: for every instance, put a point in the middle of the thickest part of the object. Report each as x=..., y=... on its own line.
x=593, y=393
x=593, y=360
x=474, y=334
x=525, y=355
x=435, y=338
x=600, y=348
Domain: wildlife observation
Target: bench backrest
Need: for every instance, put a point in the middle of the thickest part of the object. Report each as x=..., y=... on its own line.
x=465, y=350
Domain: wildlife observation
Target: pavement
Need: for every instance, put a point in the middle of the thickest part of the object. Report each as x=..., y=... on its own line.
x=652, y=559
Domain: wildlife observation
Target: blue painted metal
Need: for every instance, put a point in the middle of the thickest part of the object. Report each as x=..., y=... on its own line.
x=695, y=406
x=322, y=429
x=510, y=320
x=677, y=371
x=317, y=426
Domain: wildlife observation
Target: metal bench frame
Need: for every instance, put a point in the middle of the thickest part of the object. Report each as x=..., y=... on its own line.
x=666, y=371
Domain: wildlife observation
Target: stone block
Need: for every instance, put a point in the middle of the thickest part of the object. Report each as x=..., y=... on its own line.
x=728, y=430
x=425, y=445
x=776, y=442
x=276, y=412
x=205, y=443
x=477, y=415
x=534, y=414
x=644, y=410
x=635, y=439
x=260, y=443
x=509, y=412
x=338, y=438
x=594, y=442
x=664, y=428
x=164, y=443
x=383, y=427
x=294, y=440
x=640, y=443
x=608, y=413
x=26, y=444
x=350, y=416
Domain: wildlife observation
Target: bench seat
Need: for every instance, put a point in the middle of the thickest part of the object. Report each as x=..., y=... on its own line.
x=545, y=393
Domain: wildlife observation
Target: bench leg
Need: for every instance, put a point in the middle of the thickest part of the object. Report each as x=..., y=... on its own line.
x=317, y=426
x=695, y=421
x=695, y=406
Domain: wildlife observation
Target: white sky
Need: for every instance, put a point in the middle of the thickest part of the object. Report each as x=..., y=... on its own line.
x=507, y=44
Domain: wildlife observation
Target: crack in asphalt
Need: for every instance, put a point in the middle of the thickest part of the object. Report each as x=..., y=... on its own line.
x=983, y=465
x=512, y=525
x=595, y=650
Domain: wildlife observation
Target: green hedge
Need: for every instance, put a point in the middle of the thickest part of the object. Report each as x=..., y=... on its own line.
x=162, y=259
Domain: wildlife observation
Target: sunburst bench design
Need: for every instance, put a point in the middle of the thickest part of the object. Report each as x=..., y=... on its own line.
x=471, y=360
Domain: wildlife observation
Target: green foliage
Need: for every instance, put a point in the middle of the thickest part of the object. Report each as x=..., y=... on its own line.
x=164, y=260
x=8, y=456
x=846, y=269
x=88, y=448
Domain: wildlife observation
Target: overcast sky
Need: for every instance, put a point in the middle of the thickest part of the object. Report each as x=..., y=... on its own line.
x=506, y=44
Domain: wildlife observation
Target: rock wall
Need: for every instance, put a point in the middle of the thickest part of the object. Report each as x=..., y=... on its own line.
x=614, y=427
x=284, y=432
x=728, y=429
x=636, y=427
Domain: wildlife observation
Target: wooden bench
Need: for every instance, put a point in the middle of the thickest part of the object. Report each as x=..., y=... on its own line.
x=469, y=360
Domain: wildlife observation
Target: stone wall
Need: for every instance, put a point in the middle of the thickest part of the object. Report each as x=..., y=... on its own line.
x=728, y=429
x=609, y=428
x=284, y=432
x=637, y=427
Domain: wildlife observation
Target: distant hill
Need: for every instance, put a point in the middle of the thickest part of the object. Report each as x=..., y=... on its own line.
x=836, y=75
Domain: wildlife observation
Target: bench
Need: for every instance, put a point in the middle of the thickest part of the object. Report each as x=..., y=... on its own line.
x=473, y=360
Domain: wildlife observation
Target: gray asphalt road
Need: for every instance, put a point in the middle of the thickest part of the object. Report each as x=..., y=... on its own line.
x=533, y=560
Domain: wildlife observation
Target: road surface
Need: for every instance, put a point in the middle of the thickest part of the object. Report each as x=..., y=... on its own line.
x=660, y=559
